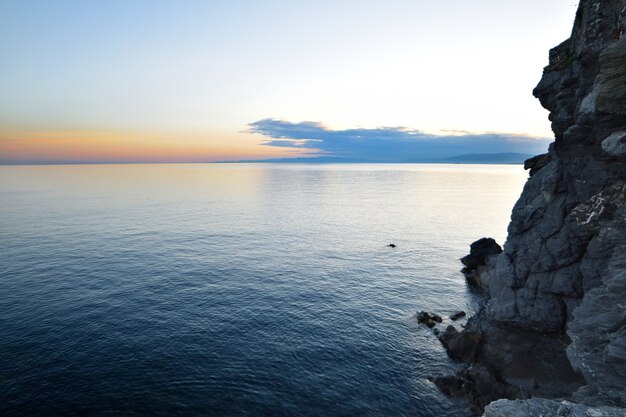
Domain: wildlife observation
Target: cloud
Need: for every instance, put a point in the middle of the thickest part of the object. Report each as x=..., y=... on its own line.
x=390, y=144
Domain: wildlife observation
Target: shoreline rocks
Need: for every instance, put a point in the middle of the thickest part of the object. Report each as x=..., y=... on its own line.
x=429, y=319
x=554, y=322
x=506, y=362
x=543, y=407
x=480, y=252
x=457, y=315
x=463, y=346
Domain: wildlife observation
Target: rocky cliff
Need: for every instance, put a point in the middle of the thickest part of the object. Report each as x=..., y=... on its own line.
x=557, y=292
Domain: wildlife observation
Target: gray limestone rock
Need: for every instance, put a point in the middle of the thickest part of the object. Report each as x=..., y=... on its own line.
x=615, y=144
x=563, y=266
x=537, y=407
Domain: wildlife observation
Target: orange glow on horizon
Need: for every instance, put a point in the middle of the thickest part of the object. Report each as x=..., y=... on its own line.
x=127, y=146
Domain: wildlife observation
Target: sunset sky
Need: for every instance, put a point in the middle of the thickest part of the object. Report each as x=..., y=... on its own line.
x=192, y=81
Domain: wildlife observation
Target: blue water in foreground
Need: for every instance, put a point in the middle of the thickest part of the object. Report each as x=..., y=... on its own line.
x=236, y=290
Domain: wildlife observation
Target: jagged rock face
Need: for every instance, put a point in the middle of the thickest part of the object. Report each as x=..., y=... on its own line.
x=542, y=407
x=564, y=262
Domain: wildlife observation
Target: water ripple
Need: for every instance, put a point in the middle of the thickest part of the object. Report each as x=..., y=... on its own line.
x=186, y=290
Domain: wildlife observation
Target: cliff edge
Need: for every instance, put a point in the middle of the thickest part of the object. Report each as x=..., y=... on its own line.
x=554, y=324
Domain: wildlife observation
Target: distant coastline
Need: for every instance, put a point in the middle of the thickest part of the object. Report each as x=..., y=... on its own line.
x=470, y=159
x=478, y=158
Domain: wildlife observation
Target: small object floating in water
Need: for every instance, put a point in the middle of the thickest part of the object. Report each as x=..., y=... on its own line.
x=392, y=245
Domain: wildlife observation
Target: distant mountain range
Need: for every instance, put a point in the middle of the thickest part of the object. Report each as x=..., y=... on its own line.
x=489, y=158
x=475, y=158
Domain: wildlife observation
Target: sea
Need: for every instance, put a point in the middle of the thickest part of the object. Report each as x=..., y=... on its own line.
x=237, y=289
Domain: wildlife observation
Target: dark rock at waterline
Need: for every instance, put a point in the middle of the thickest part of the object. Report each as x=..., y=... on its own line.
x=392, y=245
x=463, y=346
x=424, y=316
x=479, y=251
x=451, y=385
x=477, y=384
x=457, y=315
x=472, y=277
x=503, y=362
x=429, y=319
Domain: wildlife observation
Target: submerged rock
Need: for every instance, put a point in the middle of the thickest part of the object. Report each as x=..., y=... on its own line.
x=428, y=319
x=457, y=315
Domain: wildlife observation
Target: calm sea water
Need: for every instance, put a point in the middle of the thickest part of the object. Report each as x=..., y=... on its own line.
x=236, y=290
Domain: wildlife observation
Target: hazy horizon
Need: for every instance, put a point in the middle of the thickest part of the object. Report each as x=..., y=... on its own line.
x=200, y=81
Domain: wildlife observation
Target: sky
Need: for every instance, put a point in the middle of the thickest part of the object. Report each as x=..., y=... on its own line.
x=195, y=81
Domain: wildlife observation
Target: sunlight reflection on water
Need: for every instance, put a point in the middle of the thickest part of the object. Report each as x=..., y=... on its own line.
x=236, y=289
